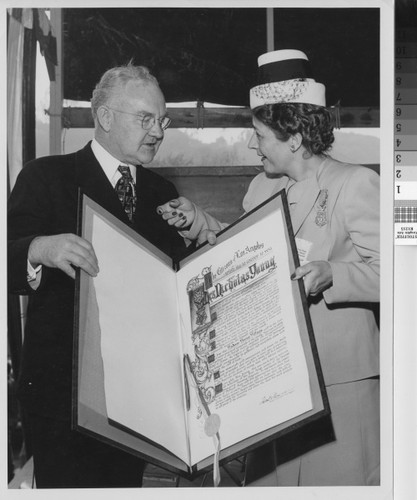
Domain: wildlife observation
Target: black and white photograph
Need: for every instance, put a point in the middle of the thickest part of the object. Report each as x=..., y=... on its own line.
x=207, y=283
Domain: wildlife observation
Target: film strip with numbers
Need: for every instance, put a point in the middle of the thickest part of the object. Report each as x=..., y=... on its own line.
x=405, y=139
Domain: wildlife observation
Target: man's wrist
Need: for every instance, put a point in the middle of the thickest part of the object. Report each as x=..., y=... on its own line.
x=33, y=258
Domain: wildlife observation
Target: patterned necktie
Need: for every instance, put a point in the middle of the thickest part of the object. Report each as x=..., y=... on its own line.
x=126, y=191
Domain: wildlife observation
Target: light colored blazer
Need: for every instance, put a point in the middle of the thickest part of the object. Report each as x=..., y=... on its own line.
x=337, y=211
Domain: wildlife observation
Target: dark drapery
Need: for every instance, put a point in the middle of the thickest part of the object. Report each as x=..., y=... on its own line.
x=211, y=54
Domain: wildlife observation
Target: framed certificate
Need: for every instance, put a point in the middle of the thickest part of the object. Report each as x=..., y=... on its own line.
x=190, y=363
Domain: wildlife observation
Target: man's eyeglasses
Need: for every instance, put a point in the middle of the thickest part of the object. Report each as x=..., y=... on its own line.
x=147, y=121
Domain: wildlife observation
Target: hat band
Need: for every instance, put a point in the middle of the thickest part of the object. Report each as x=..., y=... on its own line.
x=289, y=69
x=291, y=91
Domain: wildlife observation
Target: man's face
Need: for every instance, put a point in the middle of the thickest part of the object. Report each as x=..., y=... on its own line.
x=128, y=141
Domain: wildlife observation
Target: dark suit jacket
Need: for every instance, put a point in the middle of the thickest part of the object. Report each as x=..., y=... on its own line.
x=44, y=202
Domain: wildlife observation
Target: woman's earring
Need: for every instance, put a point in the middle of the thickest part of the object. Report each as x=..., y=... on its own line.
x=292, y=149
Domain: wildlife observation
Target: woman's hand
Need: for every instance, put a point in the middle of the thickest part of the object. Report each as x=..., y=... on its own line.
x=317, y=276
x=207, y=235
x=179, y=212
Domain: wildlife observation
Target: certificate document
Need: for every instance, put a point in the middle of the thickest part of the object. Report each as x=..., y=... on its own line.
x=202, y=358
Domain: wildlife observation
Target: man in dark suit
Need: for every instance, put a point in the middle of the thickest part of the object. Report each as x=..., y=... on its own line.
x=129, y=113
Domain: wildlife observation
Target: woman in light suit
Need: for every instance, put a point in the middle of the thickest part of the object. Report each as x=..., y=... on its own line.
x=334, y=210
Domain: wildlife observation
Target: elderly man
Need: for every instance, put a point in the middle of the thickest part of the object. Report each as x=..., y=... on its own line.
x=43, y=251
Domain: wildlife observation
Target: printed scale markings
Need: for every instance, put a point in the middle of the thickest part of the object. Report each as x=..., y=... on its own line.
x=405, y=139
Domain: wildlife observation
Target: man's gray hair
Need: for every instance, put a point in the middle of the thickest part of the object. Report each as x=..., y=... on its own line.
x=116, y=78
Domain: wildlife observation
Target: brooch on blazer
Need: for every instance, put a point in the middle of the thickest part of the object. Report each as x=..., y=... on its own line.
x=321, y=208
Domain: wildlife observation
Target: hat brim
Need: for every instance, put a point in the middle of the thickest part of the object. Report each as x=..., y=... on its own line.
x=306, y=91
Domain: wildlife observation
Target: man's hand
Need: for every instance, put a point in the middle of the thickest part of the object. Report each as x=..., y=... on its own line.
x=179, y=212
x=64, y=251
x=317, y=276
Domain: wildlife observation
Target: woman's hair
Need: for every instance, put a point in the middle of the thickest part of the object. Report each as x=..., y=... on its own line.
x=116, y=78
x=314, y=123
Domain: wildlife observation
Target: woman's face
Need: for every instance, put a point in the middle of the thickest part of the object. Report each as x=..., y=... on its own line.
x=275, y=154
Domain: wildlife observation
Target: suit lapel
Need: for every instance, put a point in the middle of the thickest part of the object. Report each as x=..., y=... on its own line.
x=95, y=184
x=147, y=193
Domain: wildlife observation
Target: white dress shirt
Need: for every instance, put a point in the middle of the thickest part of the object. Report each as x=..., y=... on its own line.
x=109, y=163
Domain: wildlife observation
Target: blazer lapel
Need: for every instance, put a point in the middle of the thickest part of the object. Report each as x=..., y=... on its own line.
x=310, y=196
x=305, y=204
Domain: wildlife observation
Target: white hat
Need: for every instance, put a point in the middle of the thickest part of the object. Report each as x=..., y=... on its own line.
x=285, y=76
